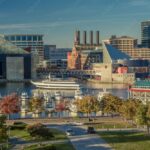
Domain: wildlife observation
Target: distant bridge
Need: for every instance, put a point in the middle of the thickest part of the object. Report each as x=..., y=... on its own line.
x=65, y=73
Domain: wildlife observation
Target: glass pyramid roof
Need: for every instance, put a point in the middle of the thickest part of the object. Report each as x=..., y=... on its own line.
x=7, y=47
x=116, y=54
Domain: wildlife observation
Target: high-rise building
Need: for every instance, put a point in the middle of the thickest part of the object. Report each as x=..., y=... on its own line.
x=124, y=43
x=129, y=46
x=145, y=34
x=30, y=42
x=15, y=62
x=48, y=49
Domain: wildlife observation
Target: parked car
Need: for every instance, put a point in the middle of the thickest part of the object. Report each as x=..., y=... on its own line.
x=91, y=130
x=78, y=123
x=69, y=132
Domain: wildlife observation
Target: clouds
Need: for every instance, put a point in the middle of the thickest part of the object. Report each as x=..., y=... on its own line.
x=139, y=2
x=35, y=4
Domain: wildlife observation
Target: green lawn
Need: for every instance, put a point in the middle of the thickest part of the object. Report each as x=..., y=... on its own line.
x=64, y=146
x=23, y=134
x=106, y=125
x=121, y=140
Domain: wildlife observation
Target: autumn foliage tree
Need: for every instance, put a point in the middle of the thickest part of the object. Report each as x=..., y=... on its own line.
x=129, y=108
x=10, y=104
x=3, y=129
x=88, y=104
x=61, y=106
x=36, y=105
x=143, y=116
x=111, y=104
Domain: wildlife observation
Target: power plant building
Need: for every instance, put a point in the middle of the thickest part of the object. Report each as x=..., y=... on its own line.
x=86, y=43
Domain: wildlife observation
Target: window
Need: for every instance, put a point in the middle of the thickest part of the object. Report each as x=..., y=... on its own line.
x=39, y=38
x=12, y=38
x=24, y=38
x=18, y=38
x=29, y=38
x=34, y=38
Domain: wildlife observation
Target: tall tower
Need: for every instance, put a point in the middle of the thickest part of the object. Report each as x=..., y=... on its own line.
x=84, y=37
x=77, y=38
x=97, y=37
x=91, y=37
x=145, y=34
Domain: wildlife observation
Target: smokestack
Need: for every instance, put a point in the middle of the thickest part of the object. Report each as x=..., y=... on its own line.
x=91, y=37
x=77, y=37
x=97, y=37
x=84, y=37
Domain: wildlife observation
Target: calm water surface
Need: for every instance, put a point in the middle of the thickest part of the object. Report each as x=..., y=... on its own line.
x=88, y=88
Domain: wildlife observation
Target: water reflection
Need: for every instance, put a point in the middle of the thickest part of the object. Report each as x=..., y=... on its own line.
x=88, y=88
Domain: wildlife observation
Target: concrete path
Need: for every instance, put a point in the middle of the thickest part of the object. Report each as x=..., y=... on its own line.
x=89, y=142
x=83, y=141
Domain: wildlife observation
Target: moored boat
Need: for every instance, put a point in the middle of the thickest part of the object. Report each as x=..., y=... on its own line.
x=57, y=84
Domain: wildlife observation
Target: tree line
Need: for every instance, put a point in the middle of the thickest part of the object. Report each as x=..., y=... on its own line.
x=129, y=109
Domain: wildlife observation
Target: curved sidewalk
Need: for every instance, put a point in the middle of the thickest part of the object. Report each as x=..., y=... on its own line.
x=89, y=142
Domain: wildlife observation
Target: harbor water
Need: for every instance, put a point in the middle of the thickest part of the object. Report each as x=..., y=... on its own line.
x=89, y=88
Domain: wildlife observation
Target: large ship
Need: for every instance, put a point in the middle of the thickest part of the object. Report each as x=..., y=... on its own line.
x=56, y=84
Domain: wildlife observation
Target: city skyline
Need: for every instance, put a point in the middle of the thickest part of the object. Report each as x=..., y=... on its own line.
x=58, y=20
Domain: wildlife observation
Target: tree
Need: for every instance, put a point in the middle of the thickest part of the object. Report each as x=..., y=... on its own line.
x=129, y=108
x=143, y=115
x=39, y=130
x=36, y=105
x=88, y=104
x=3, y=129
x=10, y=104
x=63, y=105
x=111, y=104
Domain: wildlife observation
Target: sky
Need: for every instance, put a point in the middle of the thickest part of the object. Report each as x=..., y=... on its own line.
x=57, y=20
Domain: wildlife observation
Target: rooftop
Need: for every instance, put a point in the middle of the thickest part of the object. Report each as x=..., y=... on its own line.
x=142, y=84
x=114, y=53
x=7, y=47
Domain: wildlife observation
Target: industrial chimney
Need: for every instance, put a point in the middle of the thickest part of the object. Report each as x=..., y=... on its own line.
x=77, y=37
x=91, y=37
x=84, y=37
x=97, y=37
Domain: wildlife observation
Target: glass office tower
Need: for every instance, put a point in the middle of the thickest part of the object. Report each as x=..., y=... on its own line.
x=145, y=34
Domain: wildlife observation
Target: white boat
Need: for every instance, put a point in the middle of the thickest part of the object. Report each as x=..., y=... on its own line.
x=102, y=94
x=78, y=94
x=57, y=84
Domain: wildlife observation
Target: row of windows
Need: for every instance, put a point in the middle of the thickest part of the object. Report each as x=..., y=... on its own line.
x=24, y=38
x=123, y=42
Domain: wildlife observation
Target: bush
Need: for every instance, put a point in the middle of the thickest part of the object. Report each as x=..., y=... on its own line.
x=43, y=147
x=18, y=126
x=39, y=131
x=19, y=123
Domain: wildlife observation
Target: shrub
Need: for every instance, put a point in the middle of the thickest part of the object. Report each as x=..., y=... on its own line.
x=19, y=123
x=18, y=126
x=39, y=131
x=43, y=147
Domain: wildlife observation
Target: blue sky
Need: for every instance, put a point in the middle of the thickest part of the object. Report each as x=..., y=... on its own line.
x=58, y=19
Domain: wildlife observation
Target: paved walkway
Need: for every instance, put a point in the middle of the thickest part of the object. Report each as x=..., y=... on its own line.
x=89, y=142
